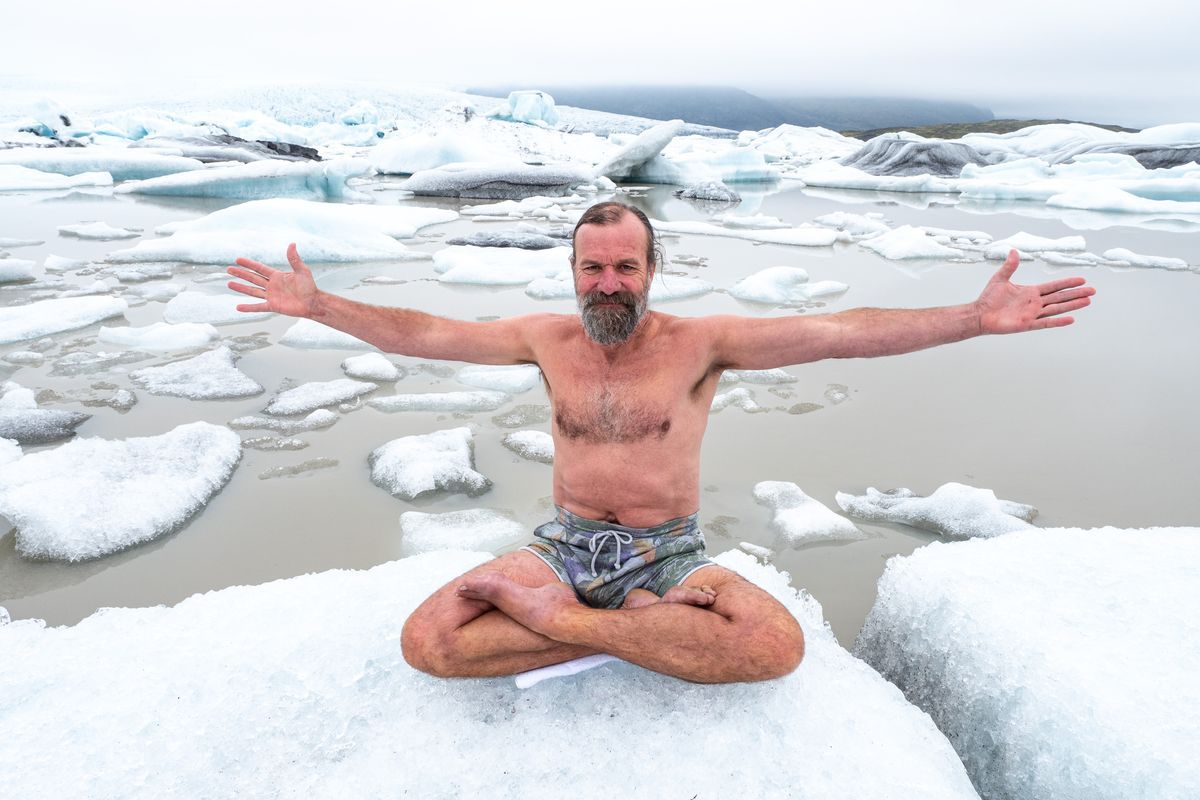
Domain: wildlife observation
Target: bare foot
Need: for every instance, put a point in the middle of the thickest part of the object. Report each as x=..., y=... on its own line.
x=539, y=608
x=640, y=598
x=691, y=595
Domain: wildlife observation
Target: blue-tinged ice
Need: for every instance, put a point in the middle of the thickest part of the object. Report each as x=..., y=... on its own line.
x=302, y=180
x=404, y=155
x=92, y=497
x=46, y=317
x=529, y=106
x=17, y=270
x=498, y=181
x=16, y=178
x=636, y=151
x=120, y=163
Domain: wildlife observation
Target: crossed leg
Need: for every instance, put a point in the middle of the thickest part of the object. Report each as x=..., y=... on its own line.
x=513, y=614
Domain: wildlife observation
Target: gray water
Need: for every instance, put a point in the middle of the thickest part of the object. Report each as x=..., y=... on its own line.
x=1093, y=424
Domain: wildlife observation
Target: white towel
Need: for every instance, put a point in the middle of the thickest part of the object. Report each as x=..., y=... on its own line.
x=526, y=679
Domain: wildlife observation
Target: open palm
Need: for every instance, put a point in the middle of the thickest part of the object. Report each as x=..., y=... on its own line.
x=292, y=293
x=1006, y=307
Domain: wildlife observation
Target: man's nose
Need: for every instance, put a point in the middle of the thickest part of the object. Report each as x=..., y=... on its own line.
x=609, y=282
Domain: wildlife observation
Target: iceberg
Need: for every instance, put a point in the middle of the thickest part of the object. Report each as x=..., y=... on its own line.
x=121, y=164
x=497, y=181
x=641, y=149
x=208, y=376
x=404, y=155
x=783, y=286
x=308, y=676
x=15, y=178
x=315, y=335
x=1059, y=662
x=468, y=402
x=17, y=270
x=316, y=394
x=160, y=337
x=529, y=106
x=904, y=154
x=798, y=519
x=304, y=180
x=470, y=529
x=47, y=317
x=92, y=497
x=954, y=510
x=797, y=145
x=510, y=378
x=531, y=445
x=209, y=309
x=424, y=464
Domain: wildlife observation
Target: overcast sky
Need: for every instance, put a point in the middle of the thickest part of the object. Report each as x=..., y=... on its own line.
x=1138, y=64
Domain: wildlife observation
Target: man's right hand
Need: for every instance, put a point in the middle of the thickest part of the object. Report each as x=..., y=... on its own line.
x=292, y=293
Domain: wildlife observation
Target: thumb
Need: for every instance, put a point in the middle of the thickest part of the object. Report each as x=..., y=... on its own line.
x=293, y=257
x=1009, y=267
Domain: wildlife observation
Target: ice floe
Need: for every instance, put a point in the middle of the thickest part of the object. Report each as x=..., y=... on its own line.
x=525, y=240
x=441, y=401
x=470, y=529
x=533, y=445
x=783, y=286
x=1120, y=256
x=797, y=145
x=98, y=231
x=15, y=178
x=800, y=237
x=317, y=394
x=909, y=154
x=17, y=270
x=954, y=510
x=860, y=226
x=210, y=309
x=304, y=180
x=510, y=378
x=738, y=398
x=160, y=337
x=498, y=181
x=404, y=155
x=1029, y=243
x=908, y=241
x=494, y=266
x=417, y=466
x=550, y=208
x=91, y=497
x=321, y=418
x=768, y=377
x=798, y=519
x=209, y=376
x=122, y=164
x=46, y=317
x=371, y=367
x=1059, y=663
x=325, y=701
x=315, y=335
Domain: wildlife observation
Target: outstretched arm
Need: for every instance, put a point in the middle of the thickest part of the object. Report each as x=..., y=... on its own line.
x=1003, y=307
x=393, y=330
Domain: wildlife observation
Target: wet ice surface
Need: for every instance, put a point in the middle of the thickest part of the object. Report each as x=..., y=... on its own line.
x=1079, y=682
x=953, y=510
x=798, y=519
x=322, y=699
x=417, y=466
x=317, y=394
x=469, y=529
x=208, y=376
x=533, y=445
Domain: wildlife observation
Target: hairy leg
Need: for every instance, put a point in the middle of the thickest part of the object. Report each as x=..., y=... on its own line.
x=743, y=635
x=450, y=635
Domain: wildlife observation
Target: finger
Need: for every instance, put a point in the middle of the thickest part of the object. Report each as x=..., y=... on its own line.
x=248, y=276
x=1008, y=267
x=1063, y=295
x=1060, y=284
x=1051, y=322
x=254, y=307
x=253, y=291
x=260, y=268
x=293, y=256
x=1063, y=308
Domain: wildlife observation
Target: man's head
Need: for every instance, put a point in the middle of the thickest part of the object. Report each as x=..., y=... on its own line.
x=614, y=253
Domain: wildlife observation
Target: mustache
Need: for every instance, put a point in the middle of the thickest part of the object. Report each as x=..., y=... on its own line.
x=591, y=299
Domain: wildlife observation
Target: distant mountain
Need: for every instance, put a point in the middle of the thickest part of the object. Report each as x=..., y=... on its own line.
x=956, y=130
x=738, y=110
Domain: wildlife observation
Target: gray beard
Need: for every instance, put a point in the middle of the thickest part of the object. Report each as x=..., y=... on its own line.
x=609, y=324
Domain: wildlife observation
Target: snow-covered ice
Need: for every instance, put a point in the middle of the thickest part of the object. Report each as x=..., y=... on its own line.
x=307, y=675
x=1059, y=663
x=160, y=337
x=404, y=155
x=317, y=336
x=371, y=367
x=498, y=181
x=798, y=519
x=470, y=529
x=783, y=286
x=908, y=241
x=321, y=418
x=767, y=377
x=209, y=376
x=954, y=510
x=533, y=445
x=10, y=451
x=46, y=317
x=17, y=270
x=15, y=178
x=304, y=180
x=211, y=309
x=425, y=464
x=738, y=398
x=496, y=266
x=317, y=394
x=98, y=231
x=122, y=164
x=709, y=191
x=441, y=401
x=91, y=497
x=1126, y=257
x=510, y=378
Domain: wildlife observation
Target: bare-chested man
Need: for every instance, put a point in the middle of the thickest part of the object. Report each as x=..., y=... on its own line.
x=621, y=568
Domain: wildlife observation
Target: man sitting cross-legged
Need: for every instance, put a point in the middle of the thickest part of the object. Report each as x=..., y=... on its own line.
x=620, y=569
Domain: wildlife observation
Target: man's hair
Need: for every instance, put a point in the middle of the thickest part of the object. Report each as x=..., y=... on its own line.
x=610, y=213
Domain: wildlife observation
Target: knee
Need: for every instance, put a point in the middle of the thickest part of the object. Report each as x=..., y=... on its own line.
x=780, y=649
x=422, y=648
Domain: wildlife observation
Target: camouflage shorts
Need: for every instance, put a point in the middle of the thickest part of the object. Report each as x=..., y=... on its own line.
x=604, y=561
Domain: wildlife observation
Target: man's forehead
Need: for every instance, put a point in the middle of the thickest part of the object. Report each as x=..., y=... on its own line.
x=625, y=234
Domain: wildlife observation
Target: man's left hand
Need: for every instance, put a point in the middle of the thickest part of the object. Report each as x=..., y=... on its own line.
x=1006, y=307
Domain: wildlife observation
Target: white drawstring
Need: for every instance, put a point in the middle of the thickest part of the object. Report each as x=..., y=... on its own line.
x=598, y=541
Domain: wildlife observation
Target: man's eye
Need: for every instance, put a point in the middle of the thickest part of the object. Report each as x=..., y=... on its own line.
x=628, y=268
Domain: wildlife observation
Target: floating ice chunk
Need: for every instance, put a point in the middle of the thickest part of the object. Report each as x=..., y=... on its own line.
x=510, y=378
x=429, y=150
x=799, y=145
x=738, y=398
x=317, y=394
x=212, y=309
x=10, y=451
x=768, y=377
x=59, y=264
x=47, y=317
x=950, y=235
x=311, y=334
x=834, y=175
x=857, y=225
x=677, y=287
x=533, y=445
x=121, y=164
x=39, y=425
x=306, y=674
x=1029, y=243
x=908, y=154
x=754, y=221
x=1136, y=260
x=363, y=112
x=304, y=467
x=99, y=231
x=551, y=289
x=416, y=466
x=500, y=267
x=519, y=239
x=763, y=554
x=25, y=358
x=783, y=286
x=91, y=497
x=470, y=529
x=160, y=337
x=371, y=367
x=798, y=519
x=954, y=510
x=321, y=418
x=499, y=181
x=712, y=191
x=801, y=237
x=82, y=362
x=305, y=180
x=14, y=178
x=529, y=106
x=1111, y=198
x=9, y=242
x=1008, y=644
x=536, y=206
x=263, y=229
x=441, y=401
x=208, y=376
x=909, y=242
x=15, y=396
x=16, y=270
